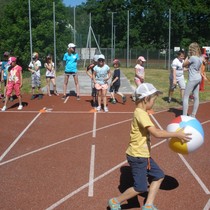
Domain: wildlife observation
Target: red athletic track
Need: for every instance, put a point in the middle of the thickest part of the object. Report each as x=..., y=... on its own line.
x=45, y=158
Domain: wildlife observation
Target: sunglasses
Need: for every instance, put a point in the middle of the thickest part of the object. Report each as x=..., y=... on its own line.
x=101, y=60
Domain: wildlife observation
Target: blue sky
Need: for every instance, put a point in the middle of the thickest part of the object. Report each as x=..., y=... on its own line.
x=73, y=3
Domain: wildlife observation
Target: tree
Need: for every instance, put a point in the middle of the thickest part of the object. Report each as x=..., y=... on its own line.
x=14, y=29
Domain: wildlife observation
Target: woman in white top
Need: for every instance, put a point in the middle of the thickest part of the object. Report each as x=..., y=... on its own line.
x=50, y=74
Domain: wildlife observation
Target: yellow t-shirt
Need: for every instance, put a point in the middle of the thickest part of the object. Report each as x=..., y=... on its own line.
x=140, y=145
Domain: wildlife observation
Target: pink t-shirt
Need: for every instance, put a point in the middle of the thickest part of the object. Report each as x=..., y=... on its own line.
x=14, y=74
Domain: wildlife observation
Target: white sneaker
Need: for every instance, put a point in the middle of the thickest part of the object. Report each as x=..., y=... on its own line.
x=20, y=107
x=98, y=108
x=4, y=108
x=106, y=109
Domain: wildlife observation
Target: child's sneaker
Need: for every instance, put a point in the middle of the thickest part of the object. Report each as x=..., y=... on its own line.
x=114, y=204
x=64, y=97
x=98, y=108
x=4, y=108
x=113, y=101
x=20, y=107
x=149, y=207
x=78, y=98
x=124, y=99
x=40, y=96
x=33, y=97
x=106, y=109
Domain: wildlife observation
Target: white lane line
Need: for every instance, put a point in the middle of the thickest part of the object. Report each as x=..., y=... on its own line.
x=62, y=141
x=91, y=175
x=203, y=186
x=66, y=99
x=62, y=200
x=207, y=206
x=17, y=139
x=200, y=182
x=94, y=125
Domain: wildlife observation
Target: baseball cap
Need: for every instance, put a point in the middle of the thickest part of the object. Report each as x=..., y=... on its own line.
x=116, y=61
x=145, y=89
x=71, y=45
x=6, y=53
x=204, y=55
x=101, y=56
x=35, y=55
x=141, y=58
x=95, y=58
x=12, y=59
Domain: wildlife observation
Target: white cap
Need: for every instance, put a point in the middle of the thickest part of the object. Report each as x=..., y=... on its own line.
x=95, y=58
x=144, y=90
x=70, y=45
x=101, y=56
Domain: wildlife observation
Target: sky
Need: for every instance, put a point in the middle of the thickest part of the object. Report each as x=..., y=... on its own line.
x=73, y=3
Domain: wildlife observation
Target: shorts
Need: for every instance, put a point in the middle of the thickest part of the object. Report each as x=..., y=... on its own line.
x=180, y=81
x=70, y=73
x=50, y=77
x=141, y=173
x=101, y=87
x=35, y=81
x=114, y=88
x=13, y=86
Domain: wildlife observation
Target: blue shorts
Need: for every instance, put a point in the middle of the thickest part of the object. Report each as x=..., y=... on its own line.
x=141, y=173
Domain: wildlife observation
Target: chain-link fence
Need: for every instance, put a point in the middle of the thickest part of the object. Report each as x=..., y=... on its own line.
x=157, y=59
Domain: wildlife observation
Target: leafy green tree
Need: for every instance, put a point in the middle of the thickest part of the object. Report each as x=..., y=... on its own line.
x=15, y=34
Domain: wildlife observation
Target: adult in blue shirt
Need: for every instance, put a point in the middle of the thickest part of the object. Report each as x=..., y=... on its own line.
x=70, y=58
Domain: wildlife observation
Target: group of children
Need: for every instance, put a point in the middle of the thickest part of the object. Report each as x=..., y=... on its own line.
x=11, y=77
x=100, y=73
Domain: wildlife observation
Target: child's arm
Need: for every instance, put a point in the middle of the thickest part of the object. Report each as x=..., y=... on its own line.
x=109, y=75
x=21, y=79
x=158, y=133
x=186, y=62
x=88, y=70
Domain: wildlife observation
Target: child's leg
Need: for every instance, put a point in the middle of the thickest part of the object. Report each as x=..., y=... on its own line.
x=48, y=86
x=66, y=79
x=76, y=84
x=99, y=97
x=104, y=97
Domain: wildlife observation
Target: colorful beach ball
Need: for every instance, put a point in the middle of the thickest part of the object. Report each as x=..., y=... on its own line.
x=190, y=125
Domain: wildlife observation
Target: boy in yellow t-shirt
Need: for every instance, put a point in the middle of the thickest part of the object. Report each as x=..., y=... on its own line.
x=138, y=152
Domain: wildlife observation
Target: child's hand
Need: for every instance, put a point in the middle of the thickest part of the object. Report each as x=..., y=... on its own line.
x=184, y=137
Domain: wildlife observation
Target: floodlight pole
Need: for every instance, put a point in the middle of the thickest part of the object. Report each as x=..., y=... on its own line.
x=74, y=26
x=112, y=35
x=128, y=14
x=54, y=36
x=29, y=14
x=169, y=41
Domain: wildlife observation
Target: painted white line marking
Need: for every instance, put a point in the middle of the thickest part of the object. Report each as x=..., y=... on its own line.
x=91, y=175
x=62, y=141
x=17, y=139
x=207, y=206
x=203, y=186
x=66, y=99
x=62, y=200
x=94, y=125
